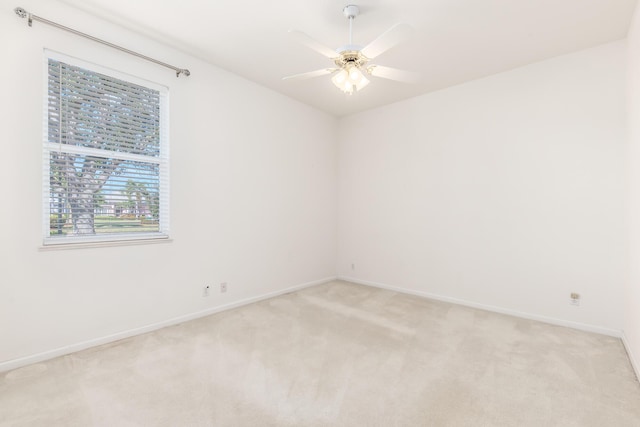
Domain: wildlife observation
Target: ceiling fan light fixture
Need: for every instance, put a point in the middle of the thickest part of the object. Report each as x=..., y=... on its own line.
x=356, y=77
x=362, y=83
x=354, y=74
x=350, y=78
x=340, y=80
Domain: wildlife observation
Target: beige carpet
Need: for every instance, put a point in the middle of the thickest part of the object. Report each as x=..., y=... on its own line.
x=337, y=354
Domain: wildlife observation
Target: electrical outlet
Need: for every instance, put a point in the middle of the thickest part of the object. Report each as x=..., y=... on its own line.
x=205, y=291
x=223, y=287
x=353, y=266
x=574, y=298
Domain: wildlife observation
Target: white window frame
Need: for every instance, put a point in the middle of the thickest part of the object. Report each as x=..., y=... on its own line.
x=162, y=160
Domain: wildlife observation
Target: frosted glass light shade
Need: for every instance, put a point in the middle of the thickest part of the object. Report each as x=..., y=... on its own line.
x=349, y=79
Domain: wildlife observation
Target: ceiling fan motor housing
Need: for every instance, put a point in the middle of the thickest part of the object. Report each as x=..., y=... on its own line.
x=350, y=55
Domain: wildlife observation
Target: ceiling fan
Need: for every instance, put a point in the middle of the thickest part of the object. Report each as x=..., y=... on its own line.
x=352, y=61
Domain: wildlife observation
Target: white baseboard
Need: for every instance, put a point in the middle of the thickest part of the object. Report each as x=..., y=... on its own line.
x=501, y=310
x=632, y=358
x=39, y=357
x=61, y=351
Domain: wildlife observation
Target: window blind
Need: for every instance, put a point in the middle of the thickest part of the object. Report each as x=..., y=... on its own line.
x=106, y=158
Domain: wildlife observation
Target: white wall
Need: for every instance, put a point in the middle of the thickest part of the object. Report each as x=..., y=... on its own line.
x=253, y=197
x=632, y=291
x=506, y=192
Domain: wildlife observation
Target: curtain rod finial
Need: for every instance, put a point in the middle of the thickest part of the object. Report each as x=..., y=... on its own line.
x=20, y=12
x=184, y=71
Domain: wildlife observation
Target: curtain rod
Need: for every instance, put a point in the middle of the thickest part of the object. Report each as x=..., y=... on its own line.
x=31, y=17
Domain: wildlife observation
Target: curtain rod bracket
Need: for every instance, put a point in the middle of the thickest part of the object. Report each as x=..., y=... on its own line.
x=24, y=14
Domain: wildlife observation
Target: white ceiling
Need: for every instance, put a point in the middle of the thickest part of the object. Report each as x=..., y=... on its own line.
x=453, y=40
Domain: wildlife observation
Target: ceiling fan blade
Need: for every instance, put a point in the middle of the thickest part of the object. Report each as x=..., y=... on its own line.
x=306, y=40
x=311, y=74
x=393, y=74
x=387, y=40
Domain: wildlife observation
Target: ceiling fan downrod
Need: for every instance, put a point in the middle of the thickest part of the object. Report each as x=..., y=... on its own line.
x=350, y=12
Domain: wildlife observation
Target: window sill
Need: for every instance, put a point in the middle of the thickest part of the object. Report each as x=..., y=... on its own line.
x=102, y=244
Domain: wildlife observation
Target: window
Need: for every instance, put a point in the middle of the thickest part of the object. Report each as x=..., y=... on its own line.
x=105, y=156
